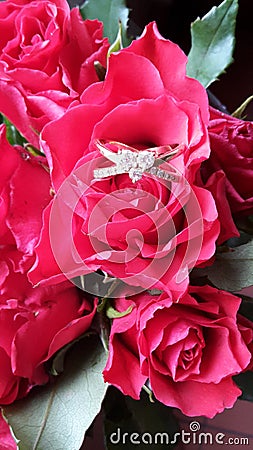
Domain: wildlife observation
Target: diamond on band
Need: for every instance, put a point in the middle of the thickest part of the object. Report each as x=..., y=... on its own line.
x=135, y=162
x=135, y=174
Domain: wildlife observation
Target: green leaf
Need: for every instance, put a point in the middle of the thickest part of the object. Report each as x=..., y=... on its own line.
x=232, y=270
x=213, y=39
x=57, y=416
x=245, y=383
x=58, y=360
x=12, y=134
x=110, y=12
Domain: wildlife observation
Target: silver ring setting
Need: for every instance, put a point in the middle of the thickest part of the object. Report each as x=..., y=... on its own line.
x=136, y=162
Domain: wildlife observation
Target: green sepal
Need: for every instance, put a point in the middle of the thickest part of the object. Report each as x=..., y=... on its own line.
x=238, y=113
x=33, y=150
x=112, y=313
x=117, y=44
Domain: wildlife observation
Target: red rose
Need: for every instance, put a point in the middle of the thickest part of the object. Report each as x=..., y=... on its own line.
x=47, y=55
x=231, y=142
x=35, y=323
x=147, y=233
x=216, y=184
x=6, y=439
x=24, y=193
x=188, y=350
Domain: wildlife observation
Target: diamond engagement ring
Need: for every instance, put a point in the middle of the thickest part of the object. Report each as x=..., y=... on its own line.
x=136, y=162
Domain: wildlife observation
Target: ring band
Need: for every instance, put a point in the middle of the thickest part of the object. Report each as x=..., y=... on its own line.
x=105, y=172
x=162, y=151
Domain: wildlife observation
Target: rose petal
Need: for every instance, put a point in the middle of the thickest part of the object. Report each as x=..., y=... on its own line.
x=195, y=399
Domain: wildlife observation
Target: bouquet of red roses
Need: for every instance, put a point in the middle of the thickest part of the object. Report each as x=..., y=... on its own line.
x=126, y=205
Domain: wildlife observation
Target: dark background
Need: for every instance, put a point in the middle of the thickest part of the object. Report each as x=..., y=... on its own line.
x=174, y=17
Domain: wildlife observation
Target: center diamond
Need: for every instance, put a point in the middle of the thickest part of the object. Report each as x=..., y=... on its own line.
x=128, y=160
